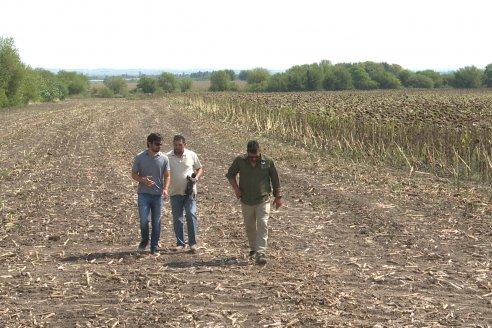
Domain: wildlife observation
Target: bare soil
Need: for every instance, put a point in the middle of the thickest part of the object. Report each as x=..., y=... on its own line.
x=353, y=246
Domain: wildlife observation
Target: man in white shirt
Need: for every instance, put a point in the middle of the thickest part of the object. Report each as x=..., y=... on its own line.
x=186, y=170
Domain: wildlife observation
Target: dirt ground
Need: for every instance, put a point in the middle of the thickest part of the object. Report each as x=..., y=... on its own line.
x=353, y=245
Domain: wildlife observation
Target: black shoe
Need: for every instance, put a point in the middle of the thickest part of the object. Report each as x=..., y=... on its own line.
x=261, y=259
x=142, y=245
x=252, y=253
x=154, y=250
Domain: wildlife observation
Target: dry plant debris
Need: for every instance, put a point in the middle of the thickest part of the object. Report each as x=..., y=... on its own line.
x=354, y=245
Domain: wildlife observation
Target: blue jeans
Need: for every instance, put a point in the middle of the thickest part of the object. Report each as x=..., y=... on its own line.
x=150, y=206
x=184, y=207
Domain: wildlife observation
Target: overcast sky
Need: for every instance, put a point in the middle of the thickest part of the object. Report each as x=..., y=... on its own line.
x=245, y=34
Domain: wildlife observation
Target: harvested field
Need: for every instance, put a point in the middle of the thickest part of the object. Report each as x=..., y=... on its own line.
x=353, y=246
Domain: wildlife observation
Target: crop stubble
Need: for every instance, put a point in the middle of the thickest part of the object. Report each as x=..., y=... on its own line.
x=353, y=245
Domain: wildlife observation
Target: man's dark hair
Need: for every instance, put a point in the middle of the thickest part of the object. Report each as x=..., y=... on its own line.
x=253, y=147
x=179, y=137
x=153, y=137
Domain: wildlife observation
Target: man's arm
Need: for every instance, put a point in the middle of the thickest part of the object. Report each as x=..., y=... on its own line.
x=145, y=180
x=275, y=181
x=231, y=177
x=234, y=186
x=136, y=177
x=199, y=173
x=197, y=167
x=167, y=182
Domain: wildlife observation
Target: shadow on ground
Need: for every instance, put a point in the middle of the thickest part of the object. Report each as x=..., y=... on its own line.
x=212, y=263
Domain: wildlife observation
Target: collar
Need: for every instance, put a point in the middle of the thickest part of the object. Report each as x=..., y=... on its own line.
x=185, y=152
x=156, y=154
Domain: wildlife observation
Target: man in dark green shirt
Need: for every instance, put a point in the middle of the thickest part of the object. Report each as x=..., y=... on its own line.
x=258, y=177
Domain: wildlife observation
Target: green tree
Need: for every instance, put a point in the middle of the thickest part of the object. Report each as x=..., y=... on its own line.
x=243, y=75
x=328, y=78
x=77, y=84
x=404, y=77
x=103, y=92
x=11, y=74
x=343, y=78
x=147, y=84
x=51, y=87
x=31, y=84
x=383, y=74
x=487, y=76
x=277, y=83
x=436, y=77
x=314, y=77
x=258, y=75
x=185, y=84
x=448, y=79
x=388, y=81
x=325, y=65
x=296, y=78
x=468, y=77
x=232, y=74
x=420, y=81
x=362, y=80
x=168, y=82
x=220, y=81
x=393, y=69
x=258, y=79
x=117, y=85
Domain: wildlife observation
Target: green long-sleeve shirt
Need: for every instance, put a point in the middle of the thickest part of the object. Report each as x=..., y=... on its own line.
x=255, y=182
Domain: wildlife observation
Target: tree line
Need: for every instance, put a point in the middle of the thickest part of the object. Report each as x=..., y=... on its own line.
x=20, y=84
x=351, y=76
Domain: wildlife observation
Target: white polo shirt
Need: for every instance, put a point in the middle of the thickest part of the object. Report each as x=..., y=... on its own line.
x=181, y=167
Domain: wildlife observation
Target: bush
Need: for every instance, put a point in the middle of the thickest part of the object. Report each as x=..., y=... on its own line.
x=147, y=84
x=258, y=79
x=185, y=84
x=117, y=85
x=220, y=81
x=467, y=77
x=168, y=83
x=487, y=76
x=51, y=88
x=277, y=83
x=361, y=79
x=30, y=88
x=343, y=78
x=77, y=84
x=420, y=81
x=11, y=74
x=103, y=92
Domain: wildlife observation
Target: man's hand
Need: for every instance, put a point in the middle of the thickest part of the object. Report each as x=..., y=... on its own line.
x=277, y=202
x=165, y=194
x=238, y=193
x=148, y=181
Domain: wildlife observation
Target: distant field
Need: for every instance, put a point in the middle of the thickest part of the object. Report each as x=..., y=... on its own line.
x=196, y=86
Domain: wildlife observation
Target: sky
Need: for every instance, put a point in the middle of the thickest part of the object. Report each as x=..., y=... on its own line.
x=441, y=35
